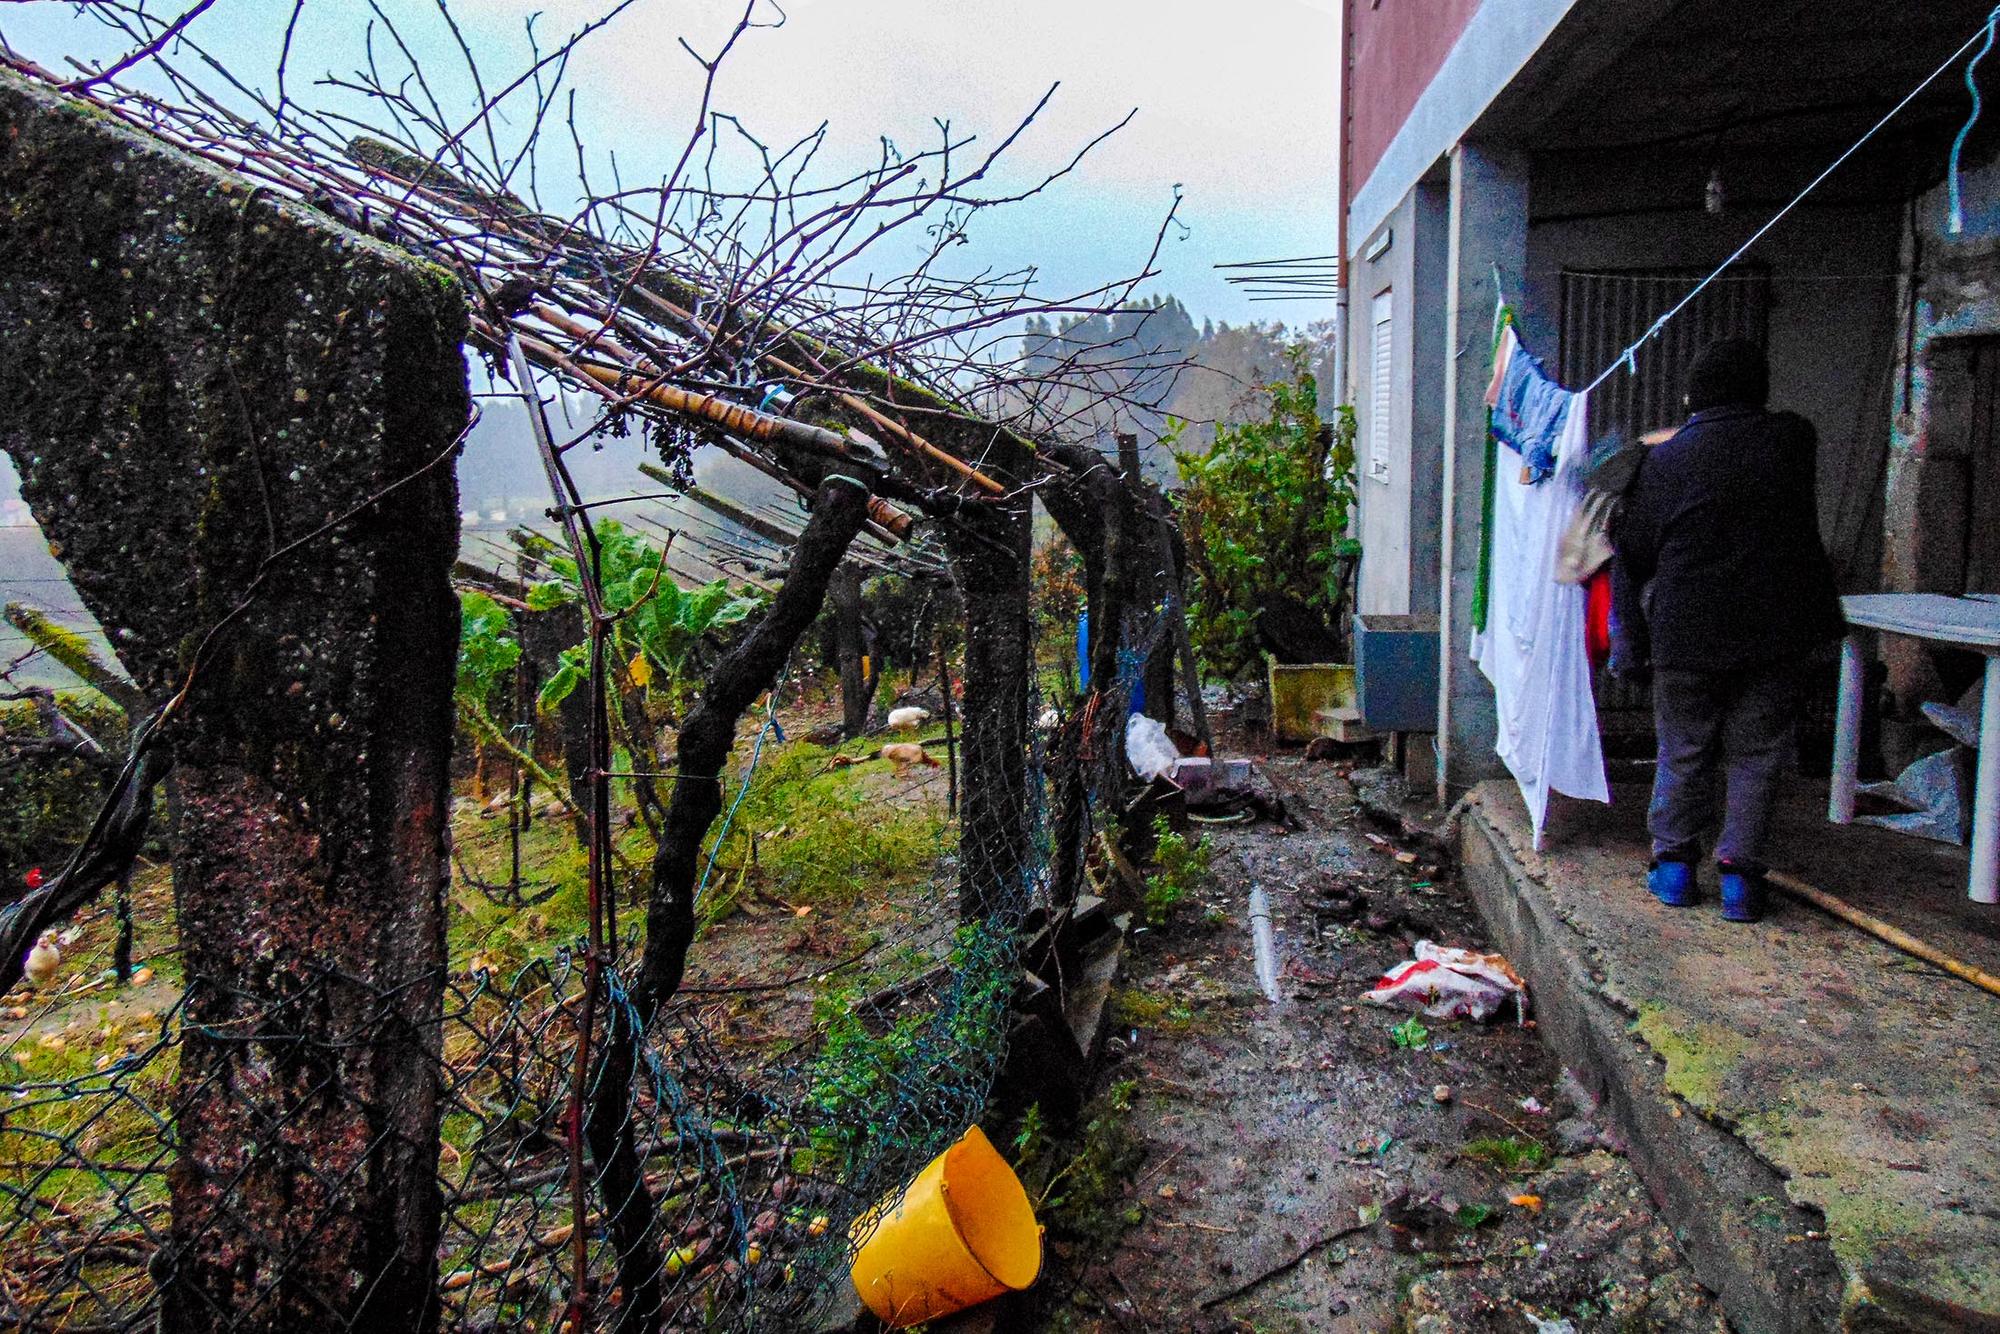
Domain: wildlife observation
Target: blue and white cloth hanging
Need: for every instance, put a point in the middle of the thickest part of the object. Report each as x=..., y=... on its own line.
x=1529, y=408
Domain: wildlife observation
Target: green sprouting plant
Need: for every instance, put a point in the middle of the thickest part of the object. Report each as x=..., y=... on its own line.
x=1266, y=515
x=1032, y=1140
x=1472, y=1216
x=1078, y=1182
x=1411, y=1033
x=661, y=626
x=1180, y=868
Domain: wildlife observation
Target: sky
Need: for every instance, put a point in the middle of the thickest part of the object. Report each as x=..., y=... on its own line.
x=1236, y=105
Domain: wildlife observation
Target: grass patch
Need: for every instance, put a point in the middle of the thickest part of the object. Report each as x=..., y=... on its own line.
x=814, y=836
x=1510, y=1154
x=1132, y=1007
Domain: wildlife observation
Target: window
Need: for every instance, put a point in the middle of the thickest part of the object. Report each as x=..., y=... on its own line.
x=1381, y=378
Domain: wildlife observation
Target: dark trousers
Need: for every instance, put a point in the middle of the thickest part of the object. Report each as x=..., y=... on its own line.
x=1740, y=723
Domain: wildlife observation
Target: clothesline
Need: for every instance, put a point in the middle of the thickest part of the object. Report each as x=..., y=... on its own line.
x=1774, y=279
x=1629, y=357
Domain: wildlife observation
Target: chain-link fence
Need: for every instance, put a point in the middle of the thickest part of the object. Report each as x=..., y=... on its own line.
x=718, y=1158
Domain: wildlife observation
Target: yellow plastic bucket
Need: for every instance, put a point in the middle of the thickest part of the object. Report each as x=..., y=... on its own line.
x=962, y=1233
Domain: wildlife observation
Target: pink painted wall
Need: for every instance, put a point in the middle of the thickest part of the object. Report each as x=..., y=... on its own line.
x=1394, y=48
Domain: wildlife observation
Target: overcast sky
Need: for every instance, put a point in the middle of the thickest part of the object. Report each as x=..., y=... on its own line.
x=1237, y=104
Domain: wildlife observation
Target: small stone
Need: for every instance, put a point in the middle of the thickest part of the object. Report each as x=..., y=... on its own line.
x=1575, y=1135
x=1441, y=1094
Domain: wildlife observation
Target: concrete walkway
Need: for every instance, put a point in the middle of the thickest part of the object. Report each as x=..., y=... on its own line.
x=1818, y=1114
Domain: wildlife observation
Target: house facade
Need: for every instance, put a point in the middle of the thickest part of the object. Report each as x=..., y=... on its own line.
x=1588, y=162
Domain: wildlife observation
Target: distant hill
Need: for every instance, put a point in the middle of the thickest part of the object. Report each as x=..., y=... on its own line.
x=1125, y=358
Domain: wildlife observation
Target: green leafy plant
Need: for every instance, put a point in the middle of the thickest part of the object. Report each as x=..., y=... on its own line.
x=661, y=626
x=487, y=649
x=1266, y=514
x=487, y=652
x=1180, y=868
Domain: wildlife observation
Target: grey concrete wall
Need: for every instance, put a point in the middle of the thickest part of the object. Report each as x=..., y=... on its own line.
x=193, y=378
x=1400, y=502
x=1501, y=38
x=1833, y=311
x=1952, y=291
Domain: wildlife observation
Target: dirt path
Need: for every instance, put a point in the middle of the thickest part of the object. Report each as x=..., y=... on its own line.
x=1302, y=1169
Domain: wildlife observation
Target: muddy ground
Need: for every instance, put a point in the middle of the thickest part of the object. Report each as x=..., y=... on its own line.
x=1302, y=1167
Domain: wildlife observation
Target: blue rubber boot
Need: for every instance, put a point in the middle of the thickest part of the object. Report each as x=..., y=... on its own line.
x=1673, y=884
x=1742, y=895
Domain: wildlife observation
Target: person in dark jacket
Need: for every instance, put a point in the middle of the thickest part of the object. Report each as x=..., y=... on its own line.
x=1722, y=590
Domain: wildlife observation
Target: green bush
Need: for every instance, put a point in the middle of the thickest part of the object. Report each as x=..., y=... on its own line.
x=1266, y=514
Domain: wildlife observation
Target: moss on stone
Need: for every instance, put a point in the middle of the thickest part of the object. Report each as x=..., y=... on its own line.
x=1873, y=1225
x=1700, y=1057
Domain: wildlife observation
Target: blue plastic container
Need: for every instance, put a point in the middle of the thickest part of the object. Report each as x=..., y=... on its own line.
x=1396, y=672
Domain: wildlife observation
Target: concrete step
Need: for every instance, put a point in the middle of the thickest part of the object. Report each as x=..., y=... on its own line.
x=1811, y=1111
x=1343, y=724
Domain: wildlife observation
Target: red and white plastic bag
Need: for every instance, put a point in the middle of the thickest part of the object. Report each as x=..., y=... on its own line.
x=1445, y=982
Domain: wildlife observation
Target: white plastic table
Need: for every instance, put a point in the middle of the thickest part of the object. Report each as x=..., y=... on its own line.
x=1968, y=622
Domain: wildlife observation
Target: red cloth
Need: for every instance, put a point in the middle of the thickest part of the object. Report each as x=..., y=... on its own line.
x=1597, y=617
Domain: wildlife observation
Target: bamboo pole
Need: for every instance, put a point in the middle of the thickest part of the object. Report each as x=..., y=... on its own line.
x=614, y=383
x=1883, y=931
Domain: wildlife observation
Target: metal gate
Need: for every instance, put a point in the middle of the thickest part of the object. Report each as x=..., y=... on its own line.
x=1606, y=311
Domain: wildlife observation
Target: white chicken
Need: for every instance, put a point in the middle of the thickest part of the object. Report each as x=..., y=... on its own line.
x=907, y=717
x=42, y=961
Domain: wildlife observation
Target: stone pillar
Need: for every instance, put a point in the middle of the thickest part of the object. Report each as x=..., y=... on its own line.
x=1487, y=225
x=194, y=376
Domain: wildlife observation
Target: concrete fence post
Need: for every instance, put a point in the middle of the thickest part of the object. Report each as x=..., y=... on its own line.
x=193, y=376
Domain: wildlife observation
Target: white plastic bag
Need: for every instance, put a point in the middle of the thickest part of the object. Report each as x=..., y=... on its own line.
x=1151, y=752
x=1445, y=982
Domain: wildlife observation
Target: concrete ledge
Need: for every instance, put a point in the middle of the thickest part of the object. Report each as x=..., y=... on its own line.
x=1767, y=1147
